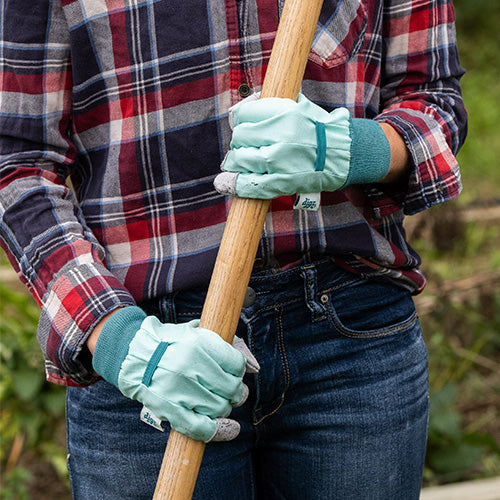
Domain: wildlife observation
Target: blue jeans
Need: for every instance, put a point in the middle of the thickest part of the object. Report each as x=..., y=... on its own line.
x=339, y=409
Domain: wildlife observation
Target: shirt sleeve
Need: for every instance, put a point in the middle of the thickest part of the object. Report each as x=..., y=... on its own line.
x=422, y=99
x=41, y=226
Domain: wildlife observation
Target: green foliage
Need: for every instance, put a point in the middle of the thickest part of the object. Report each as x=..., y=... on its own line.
x=452, y=451
x=31, y=409
x=463, y=344
x=478, y=20
x=478, y=41
x=457, y=450
x=14, y=485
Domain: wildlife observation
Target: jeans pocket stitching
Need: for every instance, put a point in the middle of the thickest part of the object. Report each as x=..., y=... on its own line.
x=369, y=334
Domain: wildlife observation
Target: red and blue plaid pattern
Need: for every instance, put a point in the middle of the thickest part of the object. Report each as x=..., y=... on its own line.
x=129, y=99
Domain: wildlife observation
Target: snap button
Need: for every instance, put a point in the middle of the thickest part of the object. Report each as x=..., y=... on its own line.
x=244, y=90
x=324, y=298
x=250, y=297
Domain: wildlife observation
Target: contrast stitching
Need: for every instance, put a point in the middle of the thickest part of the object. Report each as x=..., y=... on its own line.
x=293, y=270
x=383, y=332
x=284, y=363
x=282, y=349
x=274, y=306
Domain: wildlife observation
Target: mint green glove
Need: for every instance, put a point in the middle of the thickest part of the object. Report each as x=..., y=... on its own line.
x=184, y=374
x=282, y=147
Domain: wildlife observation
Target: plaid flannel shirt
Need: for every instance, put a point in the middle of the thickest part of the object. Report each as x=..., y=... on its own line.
x=129, y=99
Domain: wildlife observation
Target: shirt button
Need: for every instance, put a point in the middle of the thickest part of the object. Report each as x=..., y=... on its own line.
x=244, y=90
x=250, y=297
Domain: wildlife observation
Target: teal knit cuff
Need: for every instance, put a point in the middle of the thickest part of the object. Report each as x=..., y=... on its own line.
x=114, y=340
x=370, y=152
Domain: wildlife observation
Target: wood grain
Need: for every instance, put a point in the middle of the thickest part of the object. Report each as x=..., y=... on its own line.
x=241, y=237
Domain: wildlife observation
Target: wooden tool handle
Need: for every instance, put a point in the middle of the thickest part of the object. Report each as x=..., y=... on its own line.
x=222, y=307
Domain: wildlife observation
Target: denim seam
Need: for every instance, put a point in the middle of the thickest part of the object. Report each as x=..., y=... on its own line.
x=258, y=380
x=274, y=306
x=280, y=404
x=253, y=485
x=292, y=270
x=189, y=313
x=284, y=363
x=167, y=309
x=317, y=319
x=282, y=349
x=341, y=285
x=68, y=440
x=382, y=332
x=310, y=287
x=288, y=302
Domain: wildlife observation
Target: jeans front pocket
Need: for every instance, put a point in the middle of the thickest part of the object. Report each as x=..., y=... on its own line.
x=368, y=309
x=340, y=33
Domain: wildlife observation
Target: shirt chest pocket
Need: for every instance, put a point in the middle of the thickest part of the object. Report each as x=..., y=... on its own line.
x=340, y=32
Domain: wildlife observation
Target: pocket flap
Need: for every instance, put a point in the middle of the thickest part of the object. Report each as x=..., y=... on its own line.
x=340, y=32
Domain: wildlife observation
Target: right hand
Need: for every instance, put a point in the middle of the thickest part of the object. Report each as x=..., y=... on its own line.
x=282, y=147
x=184, y=374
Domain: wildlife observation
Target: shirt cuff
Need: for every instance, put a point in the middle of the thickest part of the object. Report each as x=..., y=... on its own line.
x=435, y=175
x=78, y=298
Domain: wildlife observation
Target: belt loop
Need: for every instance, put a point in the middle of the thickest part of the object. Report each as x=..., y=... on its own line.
x=167, y=308
x=309, y=273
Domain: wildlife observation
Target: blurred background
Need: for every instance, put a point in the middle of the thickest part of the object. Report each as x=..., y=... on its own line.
x=460, y=311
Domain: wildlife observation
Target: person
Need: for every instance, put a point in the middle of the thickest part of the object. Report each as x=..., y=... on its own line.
x=133, y=103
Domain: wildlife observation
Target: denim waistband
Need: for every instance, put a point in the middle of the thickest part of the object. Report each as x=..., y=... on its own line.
x=326, y=272
x=298, y=282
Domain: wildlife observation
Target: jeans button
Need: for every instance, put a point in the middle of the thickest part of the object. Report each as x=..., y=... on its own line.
x=244, y=90
x=324, y=298
x=250, y=297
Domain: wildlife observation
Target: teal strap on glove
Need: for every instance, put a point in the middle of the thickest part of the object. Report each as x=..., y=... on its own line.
x=282, y=147
x=182, y=373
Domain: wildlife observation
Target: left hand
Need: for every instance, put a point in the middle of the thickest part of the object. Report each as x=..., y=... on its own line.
x=282, y=147
x=184, y=374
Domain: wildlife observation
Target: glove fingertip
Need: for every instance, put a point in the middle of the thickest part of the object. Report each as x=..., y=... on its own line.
x=244, y=397
x=225, y=183
x=226, y=430
x=252, y=365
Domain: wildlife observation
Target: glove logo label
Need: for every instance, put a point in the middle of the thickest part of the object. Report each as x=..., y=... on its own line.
x=148, y=417
x=307, y=201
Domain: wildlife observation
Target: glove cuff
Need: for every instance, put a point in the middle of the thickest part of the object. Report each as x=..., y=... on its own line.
x=113, y=343
x=370, y=152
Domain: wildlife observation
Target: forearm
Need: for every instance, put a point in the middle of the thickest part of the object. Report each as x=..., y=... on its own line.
x=423, y=103
x=94, y=335
x=399, y=168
